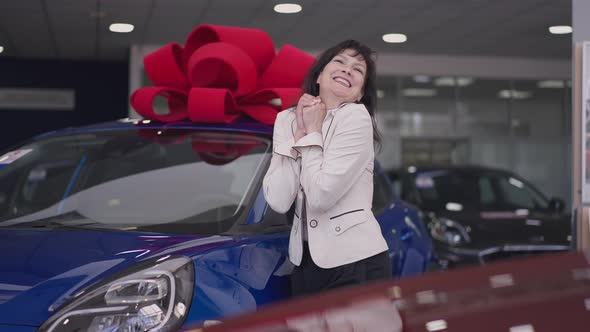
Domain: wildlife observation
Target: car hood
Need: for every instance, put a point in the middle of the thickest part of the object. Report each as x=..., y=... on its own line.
x=41, y=269
x=491, y=229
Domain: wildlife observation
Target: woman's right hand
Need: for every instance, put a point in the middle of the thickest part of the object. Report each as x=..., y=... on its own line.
x=306, y=100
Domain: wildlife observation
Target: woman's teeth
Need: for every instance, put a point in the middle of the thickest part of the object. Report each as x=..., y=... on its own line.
x=342, y=81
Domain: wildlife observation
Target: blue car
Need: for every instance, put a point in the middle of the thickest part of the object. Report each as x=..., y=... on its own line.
x=136, y=225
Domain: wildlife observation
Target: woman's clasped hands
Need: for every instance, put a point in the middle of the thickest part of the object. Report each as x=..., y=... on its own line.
x=310, y=114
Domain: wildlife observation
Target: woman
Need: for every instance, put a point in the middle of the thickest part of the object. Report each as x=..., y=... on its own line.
x=323, y=161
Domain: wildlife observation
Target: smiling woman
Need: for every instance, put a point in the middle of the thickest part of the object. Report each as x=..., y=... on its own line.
x=323, y=163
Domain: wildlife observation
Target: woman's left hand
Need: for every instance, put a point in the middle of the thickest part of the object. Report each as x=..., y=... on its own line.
x=313, y=117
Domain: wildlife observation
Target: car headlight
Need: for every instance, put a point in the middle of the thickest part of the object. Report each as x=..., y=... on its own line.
x=449, y=231
x=154, y=296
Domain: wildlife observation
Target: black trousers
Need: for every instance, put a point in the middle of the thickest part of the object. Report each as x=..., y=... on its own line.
x=308, y=278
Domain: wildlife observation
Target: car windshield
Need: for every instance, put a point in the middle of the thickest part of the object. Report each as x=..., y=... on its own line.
x=456, y=190
x=162, y=180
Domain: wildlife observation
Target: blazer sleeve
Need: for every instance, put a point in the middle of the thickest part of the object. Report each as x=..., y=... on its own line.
x=281, y=182
x=327, y=174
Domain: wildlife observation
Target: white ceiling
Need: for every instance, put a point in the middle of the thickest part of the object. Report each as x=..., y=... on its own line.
x=78, y=29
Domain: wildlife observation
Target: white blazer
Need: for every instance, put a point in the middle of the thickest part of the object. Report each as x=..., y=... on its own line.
x=335, y=169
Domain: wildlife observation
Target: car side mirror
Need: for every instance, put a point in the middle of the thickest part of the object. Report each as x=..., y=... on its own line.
x=556, y=204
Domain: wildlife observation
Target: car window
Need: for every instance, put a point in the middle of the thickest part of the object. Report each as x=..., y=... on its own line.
x=517, y=194
x=180, y=180
x=482, y=190
x=442, y=189
x=486, y=192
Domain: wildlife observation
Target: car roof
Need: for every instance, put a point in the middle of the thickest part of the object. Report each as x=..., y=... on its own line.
x=127, y=123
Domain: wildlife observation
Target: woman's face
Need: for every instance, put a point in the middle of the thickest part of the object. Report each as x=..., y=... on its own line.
x=343, y=77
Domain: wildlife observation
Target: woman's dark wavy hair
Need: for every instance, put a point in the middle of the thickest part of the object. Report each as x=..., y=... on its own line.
x=369, y=98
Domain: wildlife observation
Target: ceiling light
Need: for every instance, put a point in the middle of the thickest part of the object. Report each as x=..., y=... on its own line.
x=1, y=49
x=394, y=38
x=453, y=81
x=121, y=27
x=551, y=84
x=380, y=94
x=422, y=79
x=288, y=8
x=514, y=94
x=560, y=29
x=414, y=92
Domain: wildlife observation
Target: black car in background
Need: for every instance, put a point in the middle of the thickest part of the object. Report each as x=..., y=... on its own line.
x=478, y=214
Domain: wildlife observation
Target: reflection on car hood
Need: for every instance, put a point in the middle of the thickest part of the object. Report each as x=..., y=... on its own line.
x=488, y=229
x=41, y=269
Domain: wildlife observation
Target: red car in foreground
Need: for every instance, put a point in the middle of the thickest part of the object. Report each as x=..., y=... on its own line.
x=537, y=294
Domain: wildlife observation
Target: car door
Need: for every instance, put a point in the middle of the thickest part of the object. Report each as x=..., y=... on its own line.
x=534, y=220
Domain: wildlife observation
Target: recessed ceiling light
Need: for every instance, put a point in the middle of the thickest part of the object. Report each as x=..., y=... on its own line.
x=551, y=84
x=417, y=92
x=288, y=8
x=514, y=94
x=560, y=29
x=422, y=79
x=1, y=49
x=121, y=27
x=453, y=81
x=394, y=38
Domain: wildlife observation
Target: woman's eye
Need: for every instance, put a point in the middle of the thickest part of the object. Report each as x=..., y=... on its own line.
x=338, y=60
x=358, y=70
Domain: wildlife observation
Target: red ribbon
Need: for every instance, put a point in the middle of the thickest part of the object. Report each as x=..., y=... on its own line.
x=220, y=74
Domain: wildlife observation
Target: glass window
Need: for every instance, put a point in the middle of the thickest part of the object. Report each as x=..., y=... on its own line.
x=439, y=188
x=431, y=151
x=537, y=108
x=482, y=110
x=426, y=103
x=486, y=190
x=175, y=180
x=517, y=194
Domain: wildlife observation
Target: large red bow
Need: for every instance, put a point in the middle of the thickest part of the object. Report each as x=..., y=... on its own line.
x=220, y=73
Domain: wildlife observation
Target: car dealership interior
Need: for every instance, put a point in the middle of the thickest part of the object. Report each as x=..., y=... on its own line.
x=138, y=137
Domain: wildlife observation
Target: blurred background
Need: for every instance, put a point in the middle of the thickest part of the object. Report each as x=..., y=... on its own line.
x=460, y=82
